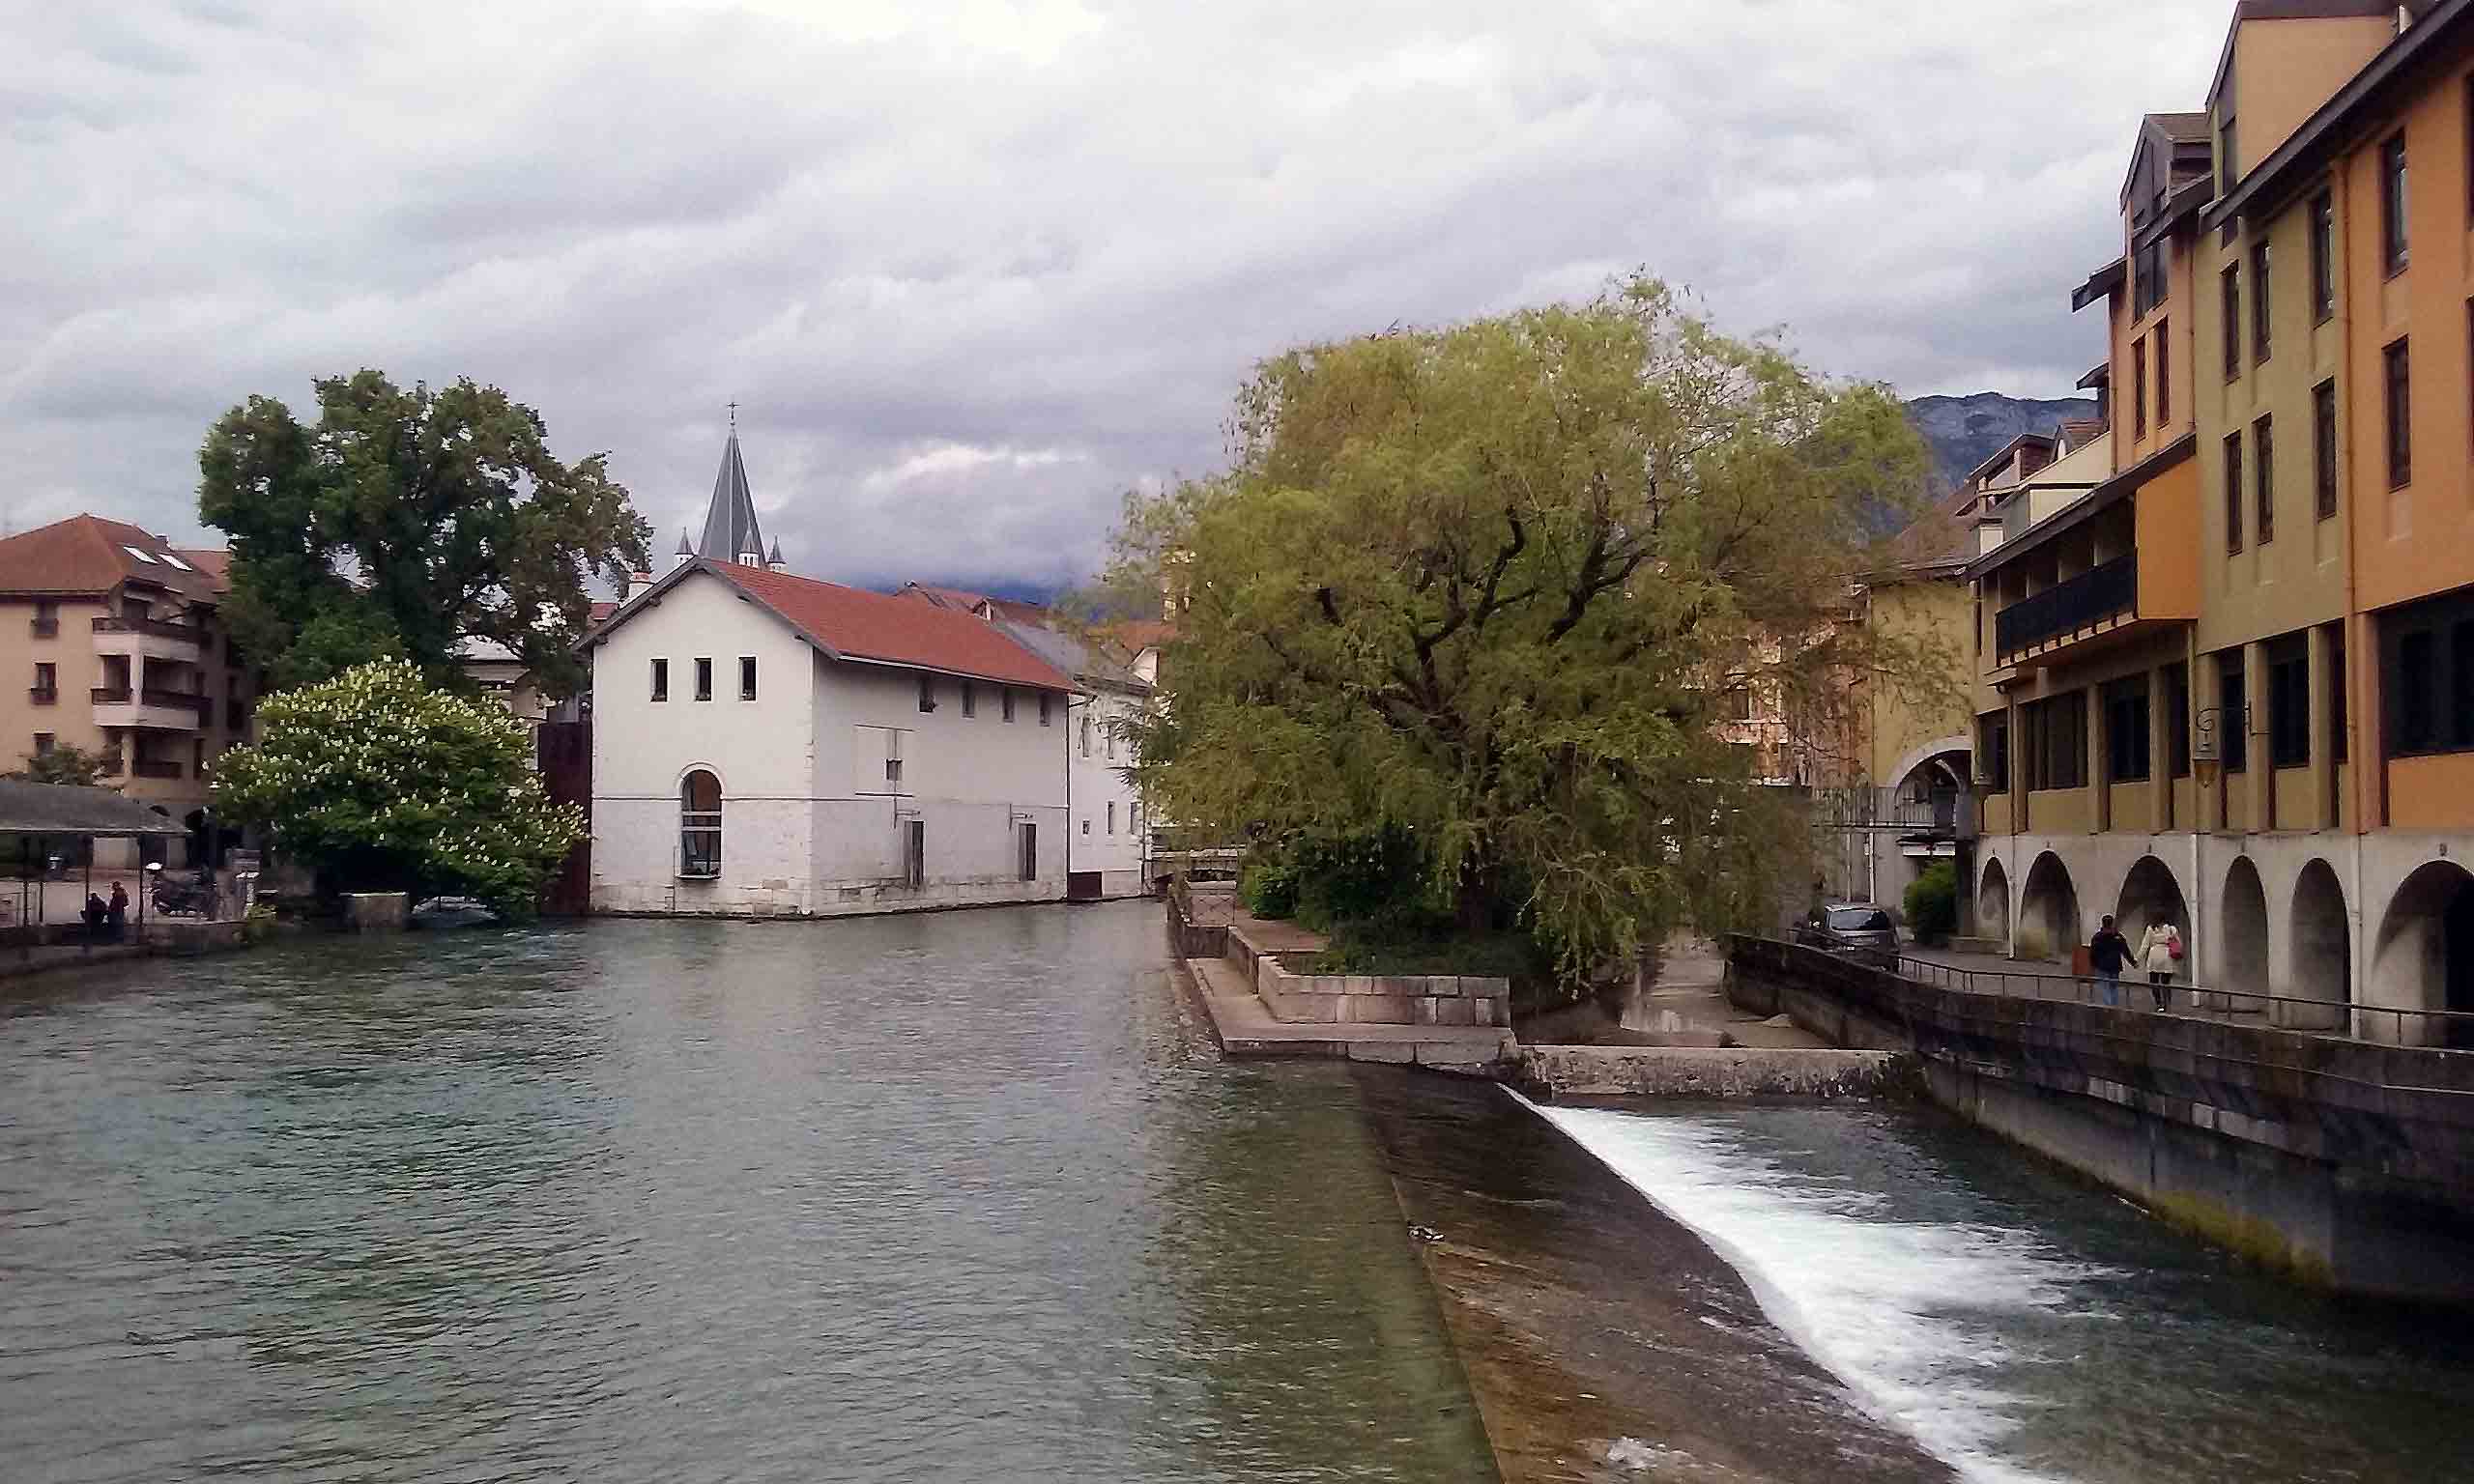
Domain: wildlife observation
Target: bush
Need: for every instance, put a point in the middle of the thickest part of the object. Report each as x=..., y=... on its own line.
x=1932, y=903
x=1269, y=887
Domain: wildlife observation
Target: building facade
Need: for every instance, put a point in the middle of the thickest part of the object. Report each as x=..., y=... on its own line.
x=2225, y=686
x=125, y=655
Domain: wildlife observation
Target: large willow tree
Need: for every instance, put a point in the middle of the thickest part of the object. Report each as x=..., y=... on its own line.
x=1500, y=587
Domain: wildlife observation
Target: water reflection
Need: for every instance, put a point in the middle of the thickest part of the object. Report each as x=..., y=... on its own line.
x=904, y=1198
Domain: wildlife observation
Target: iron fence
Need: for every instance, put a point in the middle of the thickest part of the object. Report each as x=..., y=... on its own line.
x=2094, y=595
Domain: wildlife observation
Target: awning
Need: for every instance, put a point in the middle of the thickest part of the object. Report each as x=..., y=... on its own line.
x=59, y=808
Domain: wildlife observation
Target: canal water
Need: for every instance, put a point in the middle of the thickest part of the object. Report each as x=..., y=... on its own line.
x=940, y=1198
x=2025, y=1326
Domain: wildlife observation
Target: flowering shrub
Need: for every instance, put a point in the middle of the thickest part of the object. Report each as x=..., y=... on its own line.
x=385, y=785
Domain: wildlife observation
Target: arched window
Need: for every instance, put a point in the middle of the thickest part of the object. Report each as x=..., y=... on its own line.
x=700, y=825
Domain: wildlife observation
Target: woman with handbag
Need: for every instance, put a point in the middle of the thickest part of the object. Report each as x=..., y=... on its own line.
x=2160, y=952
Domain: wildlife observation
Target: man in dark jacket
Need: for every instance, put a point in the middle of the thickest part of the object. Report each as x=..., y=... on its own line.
x=2107, y=951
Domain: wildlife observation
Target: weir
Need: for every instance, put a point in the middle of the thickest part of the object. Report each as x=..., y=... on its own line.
x=2347, y=1162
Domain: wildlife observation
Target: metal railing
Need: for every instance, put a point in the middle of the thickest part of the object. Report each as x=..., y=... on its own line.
x=43, y=627
x=188, y=633
x=148, y=767
x=1853, y=808
x=43, y=695
x=183, y=699
x=2350, y=1019
x=2102, y=591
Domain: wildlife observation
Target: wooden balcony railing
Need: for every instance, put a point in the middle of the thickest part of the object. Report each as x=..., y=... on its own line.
x=188, y=632
x=2107, y=590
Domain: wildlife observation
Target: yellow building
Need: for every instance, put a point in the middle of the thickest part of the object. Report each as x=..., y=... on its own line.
x=123, y=655
x=2233, y=686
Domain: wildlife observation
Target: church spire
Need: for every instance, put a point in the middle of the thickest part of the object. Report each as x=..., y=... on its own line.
x=730, y=531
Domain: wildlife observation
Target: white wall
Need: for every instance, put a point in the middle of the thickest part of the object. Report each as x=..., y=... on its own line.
x=1105, y=838
x=809, y=824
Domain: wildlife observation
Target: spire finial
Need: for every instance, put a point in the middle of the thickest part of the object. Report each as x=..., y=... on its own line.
x=733, y=416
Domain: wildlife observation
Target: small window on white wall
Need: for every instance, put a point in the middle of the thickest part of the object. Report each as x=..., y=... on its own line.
x=1113, y=816
x=1086, y=733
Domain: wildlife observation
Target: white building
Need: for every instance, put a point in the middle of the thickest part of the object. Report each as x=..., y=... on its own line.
x=767, y=744
x=1106, y=847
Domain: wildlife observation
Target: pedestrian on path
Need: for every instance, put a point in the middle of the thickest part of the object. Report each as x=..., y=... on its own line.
x=2160, y=952
x=119, y=911
x=2107, y=951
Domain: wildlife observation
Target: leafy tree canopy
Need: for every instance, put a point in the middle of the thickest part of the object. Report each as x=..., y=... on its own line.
x=1500, y=587
x=384, y=784
x=405, y=523
x=74, y=766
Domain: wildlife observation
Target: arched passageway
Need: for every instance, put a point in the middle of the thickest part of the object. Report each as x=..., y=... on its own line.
x=1993, y=903
x=2048, y=911
x=2150, y=894
x=2321, y=954
x=2425, y=958
x=2241, y=959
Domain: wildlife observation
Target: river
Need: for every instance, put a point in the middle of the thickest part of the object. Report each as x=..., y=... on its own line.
x=964, y=1196
x=938, y=1197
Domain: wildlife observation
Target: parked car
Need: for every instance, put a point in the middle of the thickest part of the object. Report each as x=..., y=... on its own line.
x=1860, y=929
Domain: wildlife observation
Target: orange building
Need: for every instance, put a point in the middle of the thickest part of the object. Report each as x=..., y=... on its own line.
x=2233, y=686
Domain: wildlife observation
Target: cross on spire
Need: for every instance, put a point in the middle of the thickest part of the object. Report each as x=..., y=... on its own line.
x=734, y=416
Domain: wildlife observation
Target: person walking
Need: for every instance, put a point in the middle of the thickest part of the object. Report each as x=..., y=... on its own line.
x=118, y=912
x=2160, y=953
x=2107, y=951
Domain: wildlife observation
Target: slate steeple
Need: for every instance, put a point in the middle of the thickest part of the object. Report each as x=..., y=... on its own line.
x=730, y=531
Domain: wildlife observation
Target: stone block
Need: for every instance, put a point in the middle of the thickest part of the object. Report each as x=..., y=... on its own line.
x=1359, y=983
x=1422, y=1010
x=1487, y=1012
x=1456, y=1012
x=378, y=911
x=1443, y=985
x=1323, y=1009
x=1378, y=1009
x=1400, y=1052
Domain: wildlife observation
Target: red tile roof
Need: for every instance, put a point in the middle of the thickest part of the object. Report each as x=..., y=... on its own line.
x=1140, y=634
x=862, y=625
x=86, y=554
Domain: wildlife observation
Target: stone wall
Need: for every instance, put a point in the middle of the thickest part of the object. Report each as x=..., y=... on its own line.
x=1370, y=999
x=2349, y=1163
x=1693, y=1072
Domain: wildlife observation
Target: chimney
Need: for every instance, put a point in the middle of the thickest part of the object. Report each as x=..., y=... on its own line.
x=774, y=563
x=637, y=583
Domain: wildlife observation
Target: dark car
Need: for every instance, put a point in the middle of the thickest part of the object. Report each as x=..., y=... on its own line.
x=1858, y=928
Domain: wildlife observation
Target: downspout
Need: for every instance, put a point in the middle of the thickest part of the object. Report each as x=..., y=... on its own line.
x=2368, y=773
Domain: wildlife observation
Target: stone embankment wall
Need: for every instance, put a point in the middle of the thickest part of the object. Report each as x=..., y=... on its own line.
x=1695, y=1071
x=2345, y=1162
x=1382, y=999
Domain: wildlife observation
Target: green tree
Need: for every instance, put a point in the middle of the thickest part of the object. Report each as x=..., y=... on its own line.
x=63, y=764
x=405, y=523
x=382, y=783
x=1497, y=586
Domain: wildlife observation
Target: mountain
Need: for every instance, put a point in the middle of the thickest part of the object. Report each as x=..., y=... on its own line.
x=1964, y=432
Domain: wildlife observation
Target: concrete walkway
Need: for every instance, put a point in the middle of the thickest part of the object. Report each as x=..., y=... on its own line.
x=1691, y=994
x=2043, y=979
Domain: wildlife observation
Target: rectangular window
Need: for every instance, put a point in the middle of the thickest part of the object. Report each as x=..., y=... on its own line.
x=2231, y=282
x=704, y=679
x=2057, y=742
x=747, y=677
x=927, y=693
x=1994, y=732
x=2288, y=703
x=2234, y=492
x=2232, y=721
x=2401, y=422
x=2126, y=758
x=1030, y=851
x=2415, y=684
x=2164, y=374
x=2178, y=719
x=47, y=681
x=1005, y=701
x=1113, y=816
x=661, y=679
x=2263, y=478
x=44, y=742
x=914, y=853
x=2323, y=449
x=2323, y=257
x=1044, y=700
x=2139, y=388
x=970, y=698
x=47, y=624
x=2259, y=300
x=2460, y=691
x=2391, y=205
x=2226, y=171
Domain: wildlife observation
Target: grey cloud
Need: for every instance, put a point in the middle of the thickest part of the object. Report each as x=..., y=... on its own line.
x=973, y=271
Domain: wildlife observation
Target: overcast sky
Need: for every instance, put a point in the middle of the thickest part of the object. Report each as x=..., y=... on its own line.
x=972, y=269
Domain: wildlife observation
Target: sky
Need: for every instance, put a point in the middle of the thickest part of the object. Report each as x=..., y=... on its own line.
x=973, y=271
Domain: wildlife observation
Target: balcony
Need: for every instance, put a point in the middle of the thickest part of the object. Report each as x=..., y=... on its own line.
x=1947, y=813
x=2097, y=601
x=148, y=767
x=152, y=637
x=43, y=627
x=117, y=705
x=43, y=695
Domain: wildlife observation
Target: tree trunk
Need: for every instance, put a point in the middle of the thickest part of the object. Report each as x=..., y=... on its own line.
x=1474, y=912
